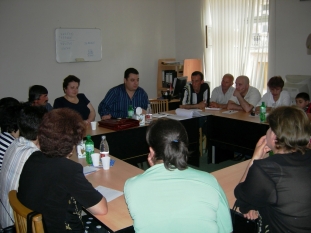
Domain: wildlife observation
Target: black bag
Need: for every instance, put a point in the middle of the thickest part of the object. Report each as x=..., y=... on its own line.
x=244, y=225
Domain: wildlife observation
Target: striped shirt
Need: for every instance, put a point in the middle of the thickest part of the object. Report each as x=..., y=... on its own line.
x=13, y=163
x=5, y=141
x=117, y=101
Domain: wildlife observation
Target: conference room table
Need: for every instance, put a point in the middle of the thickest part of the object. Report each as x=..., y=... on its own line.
x=118, y=218
x=131, y=146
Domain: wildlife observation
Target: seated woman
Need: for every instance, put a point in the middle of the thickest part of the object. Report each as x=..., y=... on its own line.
x=170, y=196
x=54, y=185
x=276, y=96
x=75, y=101
x=278, y=187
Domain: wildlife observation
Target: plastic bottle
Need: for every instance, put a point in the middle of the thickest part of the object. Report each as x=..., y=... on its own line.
x=89, y=149
x=149, y=114
x=104, y=147
x=262, y=112
x=130, y=111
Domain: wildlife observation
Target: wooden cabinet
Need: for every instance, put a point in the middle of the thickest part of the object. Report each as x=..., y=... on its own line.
x=182, y=69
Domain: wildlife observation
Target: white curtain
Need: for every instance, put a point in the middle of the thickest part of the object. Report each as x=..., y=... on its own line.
x=237, y=32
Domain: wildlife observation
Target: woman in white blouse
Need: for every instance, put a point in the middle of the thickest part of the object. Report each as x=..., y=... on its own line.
x=276, y=96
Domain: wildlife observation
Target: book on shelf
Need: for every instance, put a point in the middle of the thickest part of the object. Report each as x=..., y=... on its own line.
x=168, y=77
x=172, y=62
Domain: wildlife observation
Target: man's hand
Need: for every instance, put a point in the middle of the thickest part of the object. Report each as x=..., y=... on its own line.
x=106, y=117
x=214, y=105
x=236, y=93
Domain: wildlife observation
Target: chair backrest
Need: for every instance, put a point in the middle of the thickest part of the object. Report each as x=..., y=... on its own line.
x=159, y=105
x=20, y=215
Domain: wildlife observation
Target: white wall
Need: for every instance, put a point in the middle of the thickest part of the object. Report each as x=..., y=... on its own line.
x=136, y=33
x=289, y=28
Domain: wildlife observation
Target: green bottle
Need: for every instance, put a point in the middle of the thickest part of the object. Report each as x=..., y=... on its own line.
x=262, y=112
x=130, y=111
x=89, y=149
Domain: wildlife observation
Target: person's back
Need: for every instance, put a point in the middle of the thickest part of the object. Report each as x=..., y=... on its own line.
x=177, y=201
x=170, y=196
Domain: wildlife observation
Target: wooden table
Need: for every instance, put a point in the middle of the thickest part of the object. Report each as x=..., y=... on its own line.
x=229, y=178
x=118, y=218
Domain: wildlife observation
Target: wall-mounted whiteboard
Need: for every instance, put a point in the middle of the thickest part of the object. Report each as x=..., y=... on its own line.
x=78, y=45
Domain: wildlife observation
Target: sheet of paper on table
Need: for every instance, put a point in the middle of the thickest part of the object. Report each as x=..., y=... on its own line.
x=212, y=109
x=109, y=194
x=89, y=169
x=229, y=112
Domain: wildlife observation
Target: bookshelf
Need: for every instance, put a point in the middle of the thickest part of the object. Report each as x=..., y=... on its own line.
x=180, y=69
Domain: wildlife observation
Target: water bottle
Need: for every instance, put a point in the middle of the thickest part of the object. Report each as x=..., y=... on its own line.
x=104, y=147
x=130, y=111
x=149, y=114
x=262, y=112
x=89, y=149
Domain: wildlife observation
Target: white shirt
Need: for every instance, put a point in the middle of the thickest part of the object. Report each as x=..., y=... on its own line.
x=219, y=97
x=13, y=162
x=284, y=100
x=252, y=96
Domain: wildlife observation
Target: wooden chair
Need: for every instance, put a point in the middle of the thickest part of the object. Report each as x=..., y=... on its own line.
x=20, y=215
x=159, y=105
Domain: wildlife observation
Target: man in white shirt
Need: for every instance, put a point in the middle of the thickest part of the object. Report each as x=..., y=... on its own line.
x=245, y=97
x=222, y=94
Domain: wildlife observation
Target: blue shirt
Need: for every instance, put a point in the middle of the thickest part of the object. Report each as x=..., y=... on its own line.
x=117, y=101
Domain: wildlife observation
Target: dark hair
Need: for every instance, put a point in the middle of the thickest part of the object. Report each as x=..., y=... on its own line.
x=169, y=140
x=276, y=81
x=303, y=95
x=8, y=118
x=60, y=130
x=69, y=79
x=195, y=73
x=130, y=71
x=35, y=92
x=8, y=101
x=29, y=120
x=292, y=128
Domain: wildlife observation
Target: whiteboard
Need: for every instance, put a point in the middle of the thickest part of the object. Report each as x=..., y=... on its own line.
x=78, y=45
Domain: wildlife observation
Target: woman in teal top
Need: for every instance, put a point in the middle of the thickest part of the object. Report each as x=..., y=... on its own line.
x=170, y=196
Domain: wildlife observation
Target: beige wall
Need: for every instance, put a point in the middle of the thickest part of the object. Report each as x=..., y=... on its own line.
x=136, y=33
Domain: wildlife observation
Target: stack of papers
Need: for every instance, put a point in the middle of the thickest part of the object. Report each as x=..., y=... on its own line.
x=109, y=194
x=189, y=113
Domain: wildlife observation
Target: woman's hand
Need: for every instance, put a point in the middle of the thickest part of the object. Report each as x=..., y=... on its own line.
x=261, y=149
x=151, y=160
x=252, y=214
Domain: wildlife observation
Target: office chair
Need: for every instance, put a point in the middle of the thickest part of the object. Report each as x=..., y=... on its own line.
x=159, y=105
x=22, y=215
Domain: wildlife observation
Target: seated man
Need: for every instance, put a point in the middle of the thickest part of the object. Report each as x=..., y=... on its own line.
x=38, y=96
x=117, y=100
x=16, y=155
x=245, y=97
x=222, y=94
x=196, y=94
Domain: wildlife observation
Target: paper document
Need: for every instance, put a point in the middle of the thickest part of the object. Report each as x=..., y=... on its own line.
x=213, y=109
x=229, y=112
x=109, y=194
x=89, y=169
x=188, y=113
x=160, y=114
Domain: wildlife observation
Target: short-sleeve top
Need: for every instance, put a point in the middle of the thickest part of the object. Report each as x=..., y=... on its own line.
x=280, y=188
x=190, y=200
x=80, y=107
x=56, y=188
x=252, y=97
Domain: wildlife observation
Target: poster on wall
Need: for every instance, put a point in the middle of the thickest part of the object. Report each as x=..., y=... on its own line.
x=78, y=45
